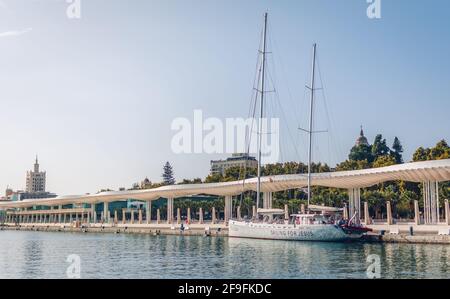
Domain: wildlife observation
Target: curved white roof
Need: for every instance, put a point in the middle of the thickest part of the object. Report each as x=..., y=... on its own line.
x=438, y=170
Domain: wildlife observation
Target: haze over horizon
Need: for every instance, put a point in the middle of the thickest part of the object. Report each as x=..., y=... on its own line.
x=94, y=97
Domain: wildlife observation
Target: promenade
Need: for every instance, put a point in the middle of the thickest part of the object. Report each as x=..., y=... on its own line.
x=94, y=211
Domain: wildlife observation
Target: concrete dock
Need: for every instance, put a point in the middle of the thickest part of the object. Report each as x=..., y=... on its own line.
x=433, y=234
x=213, y=230
x=409, y=233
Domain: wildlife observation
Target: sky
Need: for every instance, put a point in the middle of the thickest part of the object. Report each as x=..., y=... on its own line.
x=94, y=97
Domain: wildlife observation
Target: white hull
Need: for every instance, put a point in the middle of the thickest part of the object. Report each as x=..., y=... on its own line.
x=310, y=232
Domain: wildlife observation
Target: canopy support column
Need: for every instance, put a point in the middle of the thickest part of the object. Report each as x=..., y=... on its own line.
x=354, y=196
x=228, y=208
x=431, y=202
x=213, y=217
x=302, y=208
x=52, y=216
x=178, y=216
x=106, y=212
x=345, y=213
x=447, y=212
x=200, y=215
x=416, y=212
x=60, y=214
x=148, y=211
x=94, y=213
x=169, y=210
x=367, y=220
x=389, y=213
x=267, y=200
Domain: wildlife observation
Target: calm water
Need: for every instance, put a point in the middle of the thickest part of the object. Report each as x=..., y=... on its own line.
x=43, y=255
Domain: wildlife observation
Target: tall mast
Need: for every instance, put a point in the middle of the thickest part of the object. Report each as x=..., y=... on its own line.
x=258, y=186
x=311, y=110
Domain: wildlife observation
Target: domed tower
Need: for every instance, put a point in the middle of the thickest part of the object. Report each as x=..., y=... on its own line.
x=362, y=140
x=146, y=184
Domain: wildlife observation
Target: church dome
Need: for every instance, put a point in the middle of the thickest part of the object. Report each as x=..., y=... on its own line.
x=362, y=140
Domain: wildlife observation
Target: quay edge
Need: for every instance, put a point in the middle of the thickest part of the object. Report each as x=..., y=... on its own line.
x=218, y=230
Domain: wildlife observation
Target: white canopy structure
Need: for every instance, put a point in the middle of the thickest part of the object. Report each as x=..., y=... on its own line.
x=437, y=171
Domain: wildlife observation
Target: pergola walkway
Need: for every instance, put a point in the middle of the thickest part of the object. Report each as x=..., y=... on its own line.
x=430, y=173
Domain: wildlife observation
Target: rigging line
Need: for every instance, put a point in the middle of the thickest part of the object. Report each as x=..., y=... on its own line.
x=283, y=69
x=254, y=101
x=273, y=109
x=296, y=142
x=248, y=139
x=330, y=119
x=305, y=104
x=256, y=75
x=283, y=114
x=304, y=145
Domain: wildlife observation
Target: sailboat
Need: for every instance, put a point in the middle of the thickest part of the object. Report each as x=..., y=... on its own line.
x=319, y=223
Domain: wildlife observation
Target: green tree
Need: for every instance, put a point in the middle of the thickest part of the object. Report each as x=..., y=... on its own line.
x=190, y=182
x=397, y=151
x=440, y=151
x=421, y=154
x=379, y=147
x=383, y=161
x=167, y=175
x=361, y=152
x=353, y=165
x=214, y=178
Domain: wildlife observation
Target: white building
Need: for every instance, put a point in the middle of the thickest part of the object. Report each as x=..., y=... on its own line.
x=35, y=179
x=236, y=160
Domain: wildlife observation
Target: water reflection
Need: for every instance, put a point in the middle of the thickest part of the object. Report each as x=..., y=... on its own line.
x=43, y=255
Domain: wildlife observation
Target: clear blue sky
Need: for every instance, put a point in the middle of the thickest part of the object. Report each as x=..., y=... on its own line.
x=95, y=97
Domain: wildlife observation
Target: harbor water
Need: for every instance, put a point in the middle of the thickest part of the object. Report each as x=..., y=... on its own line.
x=25, y=254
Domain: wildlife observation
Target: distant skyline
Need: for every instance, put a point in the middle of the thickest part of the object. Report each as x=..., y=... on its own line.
x=94, y=97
